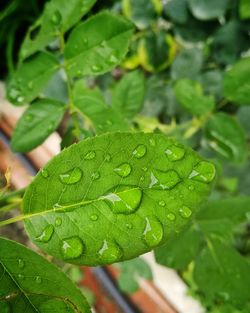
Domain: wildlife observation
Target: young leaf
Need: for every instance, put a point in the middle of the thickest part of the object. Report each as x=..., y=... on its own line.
x=115, y=197
x=36, y=124
x=128, y=94
x=223, y=274
x=226, y=137
x=58, y=16
x=189, y=93
x=237, y=82
x=91, y=105
x=207, y=10
x=29, y=283
x=90, y=51
x=31, y=77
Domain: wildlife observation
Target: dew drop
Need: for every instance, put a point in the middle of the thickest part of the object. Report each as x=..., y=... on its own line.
x=109, y=123
x=175, y=153
x=79, y=73
x=13, y=93
x=153, y=232
x=152, y=142
x=95, y=176
x=112, y=59
x=203, y=172
x=44, y=173
x=96, y=68
x=21, y=276
x=144, y=169
x=109, y=252
x=94, y=217
x=46, y=234
x=56, y=18
x=71, y=177
x=140, y=151
x=164, y=180
x=58, y=221
x=107, y=157
x=129, y=226
x=162, y=203
x=103, y=44
x=38, y=279
x=72, y=247
x=171, y=217
x=20, y=99
x=191, y=187
x=123, y=170
x=30, y=85
x=21, y=263
x=85, y=41
x=90, y=155
x=28, y=117
x=142, y=178
x=185, y=212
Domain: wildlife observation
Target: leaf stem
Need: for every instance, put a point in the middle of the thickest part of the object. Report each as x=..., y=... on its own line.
x=11, y=197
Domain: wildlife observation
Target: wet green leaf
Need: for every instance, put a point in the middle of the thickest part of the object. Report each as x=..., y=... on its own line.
x=115, y=197
x=207, y=10
x=29, y=283
x=226, y=137
x=237, y=82
x=36, y=124
x=128, y=94
x=31, y=77
x=58, y=17
x=90, y=51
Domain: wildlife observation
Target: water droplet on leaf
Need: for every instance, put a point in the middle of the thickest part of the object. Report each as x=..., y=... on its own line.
x=30, y=85
x=140, y=151
x=153, y=232
x=107, y=157
x=175, y=153
x=112, y=59
x=94, y=217
x=56, y=18
x=44, y=173
x=162, y=203
x=129, y=226
x=71, y=177
x=171, y=216
x=58, y=221
x=46, y=234
x=152, y=142
x=96, y=68
x=191, y=187
x=95, y=176
x=72, y=248
x=203, y=172
x=164, y=180
x=185, y=212
x=90, y=155
x=21, y=276
x=123, y=170
x=144, y=169
x=110, y=252
x=38, y=279
x=21, y=263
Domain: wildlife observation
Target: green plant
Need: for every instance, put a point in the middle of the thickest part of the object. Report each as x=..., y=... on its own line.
x=142, y=190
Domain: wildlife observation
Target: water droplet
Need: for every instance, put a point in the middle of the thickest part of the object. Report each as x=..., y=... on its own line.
x=153, y=232
x=110, y=252
x=56, y=18
x=72, y=248
x=112, y=59
x=129, y=226
x=96, y=68
x=109, y=123
x=171, y=216
x=152, y=142
x=38, y=279
x=21, y=263
x=58, y=221
x=20, y=99
x=94, y=217
x=164, y=180
x=107, y=157
x=103, y=44
x=191, y=187
x=79, y=73
x=144, y=169
x=44, y=173
x=28, y=117
x=13, y=93
x=85, y=41
x=90, y=155
x=95, y=176
x=71, y=177
x=126, y=201
x=21, y=276
x=203, y=172
x=51, y=127
x=175, y=153
x=142, y=178
x=185, y=212
x=162, y=203
x=140, y=151
x=46, y=234
x=30, y=85
x=123, y=170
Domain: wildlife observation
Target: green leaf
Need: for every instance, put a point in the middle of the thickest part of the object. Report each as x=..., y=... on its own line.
x=244, y=9
x=190, y=95
x=58, y=16
x=177, y=10
x=90, y=51
x=237, y=82
x=91, y=105
x=31, y=77
x=226, y=137
x=29, y=283
x=207, y=10
x=130, y=272
x=180, y=251
x=212, y=83
x=223, y=274
x=36, y=124
x=128, y=95
x=115, y=197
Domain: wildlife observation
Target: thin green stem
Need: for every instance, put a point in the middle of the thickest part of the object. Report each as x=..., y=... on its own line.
x=10, y=206
x=11, y=196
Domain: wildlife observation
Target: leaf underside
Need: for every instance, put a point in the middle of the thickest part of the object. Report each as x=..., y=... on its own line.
x=114, y=197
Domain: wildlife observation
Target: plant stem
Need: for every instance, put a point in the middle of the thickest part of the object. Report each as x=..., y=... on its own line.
x=7, y=199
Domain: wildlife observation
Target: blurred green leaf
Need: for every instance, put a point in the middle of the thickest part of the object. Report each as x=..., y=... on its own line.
x=207, y=10
x=212, y=82
x=244, y=9
x=177, y=10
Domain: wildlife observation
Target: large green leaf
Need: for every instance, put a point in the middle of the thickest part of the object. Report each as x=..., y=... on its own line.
x=31, y=77
x=237, y=82
x=90, y=51
x=30, y=284
x=36, y=124
x=226, y=137
x=223, y=274
x=190, y=95
x=91, y=105
x=115, y=197
x=128, y=94
x=207, y=10
x=58, y=16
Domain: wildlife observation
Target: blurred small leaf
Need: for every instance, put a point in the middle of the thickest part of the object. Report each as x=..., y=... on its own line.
x=207, y=10
x=177, y=10
x=212, y=82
